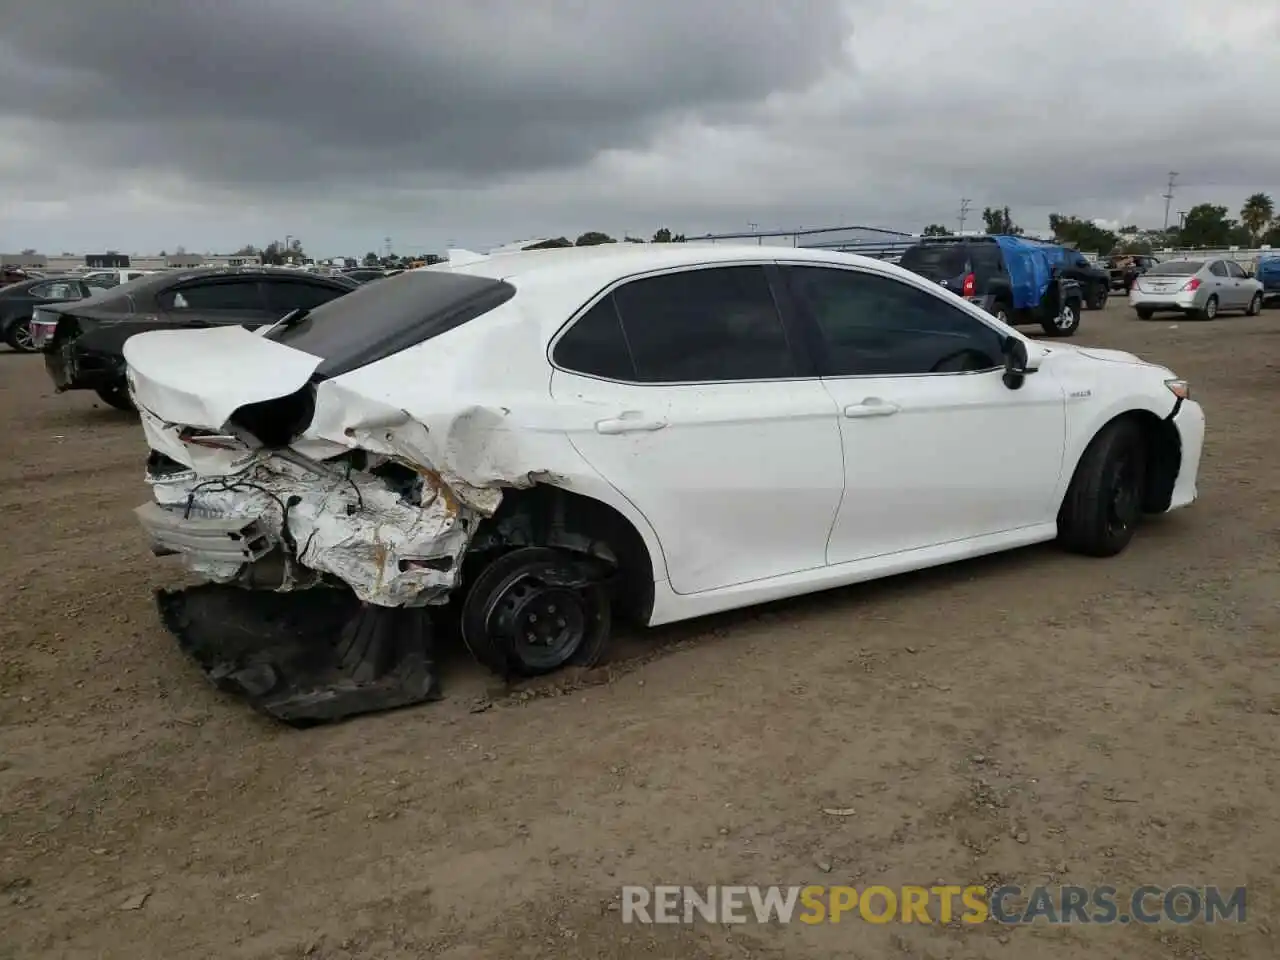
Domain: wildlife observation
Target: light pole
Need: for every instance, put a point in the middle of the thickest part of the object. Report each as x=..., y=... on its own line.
x=1168, y=198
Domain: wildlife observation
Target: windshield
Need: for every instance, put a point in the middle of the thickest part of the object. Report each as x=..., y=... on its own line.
x=937, y=261
x=1176, y=268
x=377, y=320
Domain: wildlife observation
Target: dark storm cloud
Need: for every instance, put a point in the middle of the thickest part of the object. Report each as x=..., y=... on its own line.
x=237, y=92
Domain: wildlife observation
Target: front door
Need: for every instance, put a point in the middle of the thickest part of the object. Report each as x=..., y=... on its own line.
x=937, y=449
x=684, y=392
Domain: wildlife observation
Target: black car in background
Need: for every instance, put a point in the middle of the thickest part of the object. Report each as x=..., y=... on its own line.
x=19, y=300
x=83, y=341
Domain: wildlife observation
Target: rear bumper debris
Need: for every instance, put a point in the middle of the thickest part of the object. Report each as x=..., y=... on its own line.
x=304, y=659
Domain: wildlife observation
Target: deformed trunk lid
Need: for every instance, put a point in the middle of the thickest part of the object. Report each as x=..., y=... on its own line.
x=199, y=378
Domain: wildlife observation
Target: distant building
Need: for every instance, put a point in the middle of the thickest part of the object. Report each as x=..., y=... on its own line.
x=108, y=260
x=36, y=261
x=184, y=260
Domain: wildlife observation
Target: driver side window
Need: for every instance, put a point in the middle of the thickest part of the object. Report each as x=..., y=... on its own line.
x=871, y=325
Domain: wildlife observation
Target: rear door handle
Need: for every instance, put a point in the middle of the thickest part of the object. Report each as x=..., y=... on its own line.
x=871, y=407
x=629, y=422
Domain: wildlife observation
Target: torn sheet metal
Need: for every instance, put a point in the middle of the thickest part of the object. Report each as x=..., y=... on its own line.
x=392, y=547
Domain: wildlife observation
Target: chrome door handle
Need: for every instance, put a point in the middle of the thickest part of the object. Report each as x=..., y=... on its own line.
x=871, y=407
x=625, y=424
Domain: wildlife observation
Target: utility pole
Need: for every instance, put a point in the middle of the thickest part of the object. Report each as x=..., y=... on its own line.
x=1168, y=198
x=964, y=212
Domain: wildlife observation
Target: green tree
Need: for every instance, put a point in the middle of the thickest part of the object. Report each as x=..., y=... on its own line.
x=550, y=244
x=1256, y=215
x=935, y=230
x=1206, y=225
x=1272, y=234
x=593, y=238
x=997, y=220
x=1082, y=234
x=371, y=259
x=662, y=235
x=248, y=250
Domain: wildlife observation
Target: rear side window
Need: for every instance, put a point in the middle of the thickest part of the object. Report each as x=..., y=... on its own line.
x=713, y=324
x=376, y=320
x=596, y=346
x=986, y=258
x=286, y=295
x=57, y=290
x=1218, y=268
x=241, y=295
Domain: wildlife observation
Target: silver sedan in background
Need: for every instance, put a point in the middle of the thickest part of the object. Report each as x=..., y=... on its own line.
x=1200, y=288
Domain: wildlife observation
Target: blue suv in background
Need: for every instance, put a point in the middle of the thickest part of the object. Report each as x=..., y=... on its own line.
x=1268, y=274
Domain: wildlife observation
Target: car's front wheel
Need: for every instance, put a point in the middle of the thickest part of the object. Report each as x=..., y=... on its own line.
x=19, y=336
x=1104, y=501
x=1255, y=306
x=1066, y=322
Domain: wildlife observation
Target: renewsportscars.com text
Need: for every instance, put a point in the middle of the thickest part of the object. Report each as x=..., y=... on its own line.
x=942, y=904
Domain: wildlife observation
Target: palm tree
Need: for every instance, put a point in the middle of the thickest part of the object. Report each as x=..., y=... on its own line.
x=1257, y=213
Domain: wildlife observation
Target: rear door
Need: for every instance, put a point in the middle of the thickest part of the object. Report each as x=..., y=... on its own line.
x=702, y=410
x=1244, y=288
x=1221, y=285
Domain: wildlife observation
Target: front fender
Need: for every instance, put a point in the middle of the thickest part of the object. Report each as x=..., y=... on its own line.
x=1085, y=422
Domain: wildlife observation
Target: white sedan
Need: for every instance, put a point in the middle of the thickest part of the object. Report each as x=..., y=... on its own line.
x=539, y=439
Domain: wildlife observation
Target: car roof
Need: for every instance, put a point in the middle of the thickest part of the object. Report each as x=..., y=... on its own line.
x=605, y=263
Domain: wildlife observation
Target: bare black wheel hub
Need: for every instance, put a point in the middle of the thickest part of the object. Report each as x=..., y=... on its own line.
x=543, y=625
x=1124, y=504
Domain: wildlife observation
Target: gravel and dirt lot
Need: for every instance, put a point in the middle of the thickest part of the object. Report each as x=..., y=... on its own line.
x=1029, y=718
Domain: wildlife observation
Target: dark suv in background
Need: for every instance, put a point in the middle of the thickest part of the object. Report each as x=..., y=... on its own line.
x=975, y=268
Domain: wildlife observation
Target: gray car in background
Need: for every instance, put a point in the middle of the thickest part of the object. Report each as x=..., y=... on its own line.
x=1200, y=288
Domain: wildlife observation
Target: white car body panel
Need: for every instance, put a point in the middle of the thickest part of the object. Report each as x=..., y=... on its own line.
x=698, y=459
x=896, y=497
x=746, y=492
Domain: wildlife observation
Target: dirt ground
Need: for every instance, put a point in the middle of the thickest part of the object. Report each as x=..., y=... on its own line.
x=1029, y=718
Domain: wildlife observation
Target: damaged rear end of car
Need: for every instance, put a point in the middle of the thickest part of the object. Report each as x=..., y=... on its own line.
x=328, y=523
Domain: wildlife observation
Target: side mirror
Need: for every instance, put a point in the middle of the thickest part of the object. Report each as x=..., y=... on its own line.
x=1020, y=361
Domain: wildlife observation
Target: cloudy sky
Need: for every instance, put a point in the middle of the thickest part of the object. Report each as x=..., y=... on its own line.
x=217, y=123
